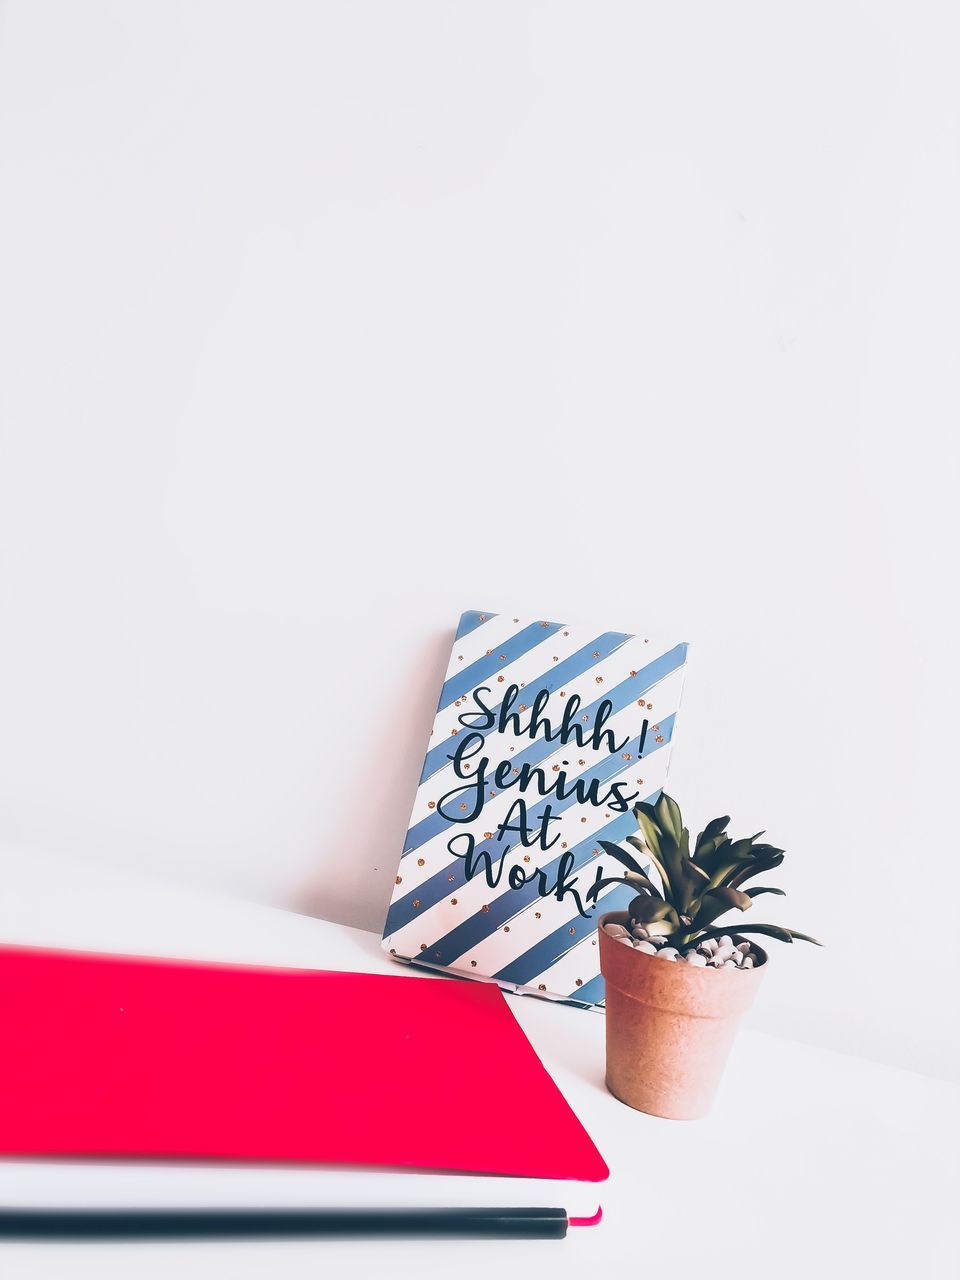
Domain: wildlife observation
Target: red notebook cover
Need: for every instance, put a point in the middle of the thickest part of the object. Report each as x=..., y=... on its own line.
x=114, y=1056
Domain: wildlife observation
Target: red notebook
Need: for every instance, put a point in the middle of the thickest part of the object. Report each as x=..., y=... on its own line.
x=111, y=1056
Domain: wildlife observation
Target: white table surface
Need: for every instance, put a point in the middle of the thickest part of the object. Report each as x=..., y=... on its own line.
x=812, y=1163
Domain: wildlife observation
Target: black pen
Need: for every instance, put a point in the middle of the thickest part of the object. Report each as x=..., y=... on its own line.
x=276, y=1224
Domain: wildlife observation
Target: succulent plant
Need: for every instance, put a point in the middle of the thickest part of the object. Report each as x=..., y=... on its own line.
x=693, y=888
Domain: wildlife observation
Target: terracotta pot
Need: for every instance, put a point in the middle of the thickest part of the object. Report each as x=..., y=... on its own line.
x=669, y=1025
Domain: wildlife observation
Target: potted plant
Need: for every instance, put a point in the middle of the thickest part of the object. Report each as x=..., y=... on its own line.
x=676, y=981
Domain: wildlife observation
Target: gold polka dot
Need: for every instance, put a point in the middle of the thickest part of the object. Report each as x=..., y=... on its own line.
x=555, y=658
x=543, y=986
x=579, y=982
x=489, y=653
x=484, y=907
x=626, y=756
x=584, y=819
x=398, y=880
x=599, y=679
x=537, y=915
x=453, y=902
x=523, y=706
x=473, y=964
x=420, y=862
x=596, y=653
x=463, y=806
x=506, y=928
x=459, y=657
x=516, y=619
x=431, y=804
x=449, y=877
x=563, y=844
x=503, y=657
x=659, y=737
x=544, y=624
x=526, y=857
x=499, y=679
x=633, y=673
x=566, y=633
x=581, y=762
x=562, y=693
x=453, y=733
x=571, y=929
x=423, y=946
x=416, y=902
x=488, y=835
x=393, y=951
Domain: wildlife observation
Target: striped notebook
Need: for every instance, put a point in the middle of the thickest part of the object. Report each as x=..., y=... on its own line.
x=546, y=736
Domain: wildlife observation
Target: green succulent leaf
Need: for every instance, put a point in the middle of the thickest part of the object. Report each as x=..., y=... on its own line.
x=728, y=871
x=732, y=898
x=621, y=855
x=708, y=909
x=651, y=832
x=716, y=903
x=765, y=859
x=655, y=858
x=769, y=930
x=712, y=833
x=661, y=928
x=710, y=853
x=668, y=816
x=637, y=877
x=643, y=807
x=765, y=888
x=649, y=910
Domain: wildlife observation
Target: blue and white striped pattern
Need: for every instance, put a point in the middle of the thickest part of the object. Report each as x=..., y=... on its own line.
x=517, y=936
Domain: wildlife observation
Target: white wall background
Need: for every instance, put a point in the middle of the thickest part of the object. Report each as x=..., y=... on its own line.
x=322, y=322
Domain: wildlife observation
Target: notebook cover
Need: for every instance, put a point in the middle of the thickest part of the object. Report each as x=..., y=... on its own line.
x=546, y=735
x=112, y=1056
